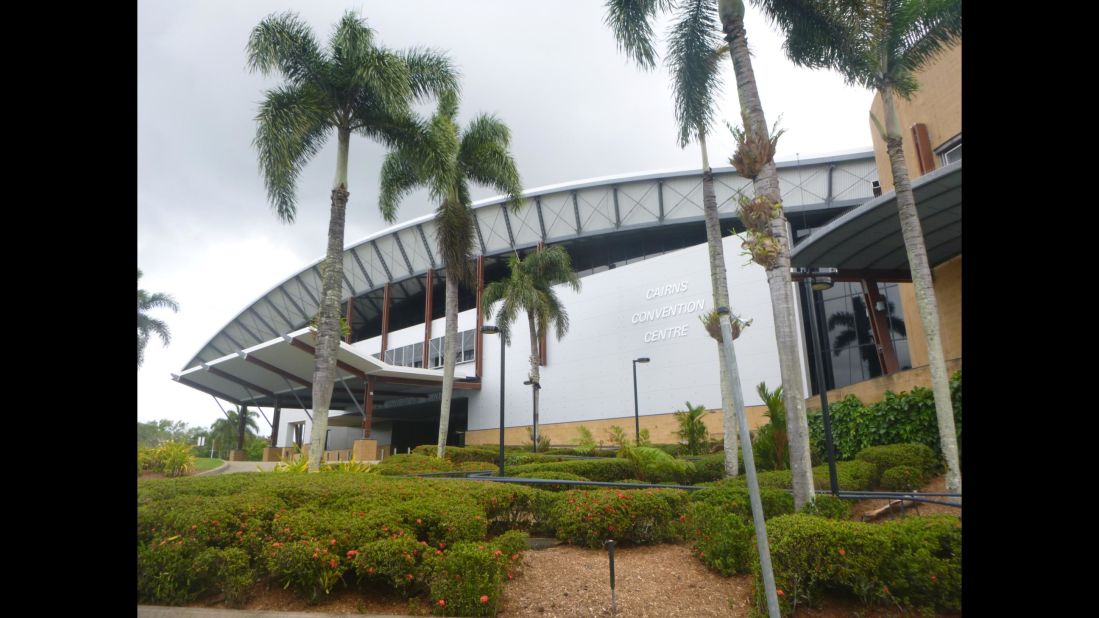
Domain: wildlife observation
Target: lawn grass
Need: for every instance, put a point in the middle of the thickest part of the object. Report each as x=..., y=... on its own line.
x=206, y=463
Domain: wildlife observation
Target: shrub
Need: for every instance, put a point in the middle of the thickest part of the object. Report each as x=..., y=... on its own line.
x=606, y=470
x=888, y=456
x=170, y=458
x=829, y=507
x=400, y=465
x=309, y=567
x=466, y=574
x=561, y=476
x=254, y=448
x=733, y=498
x=166, y=573
x=585, y=442
x=641, y=516
x=914, y=562
x=722, y=540
x=655, y=466
x=902, y=478
x=692, y=430
x=228, y=571
x=395, y=562
x=850, y=475
x=905, y=418
x=617, y=436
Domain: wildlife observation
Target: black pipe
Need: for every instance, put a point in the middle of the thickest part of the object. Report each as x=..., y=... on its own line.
x=822, y=385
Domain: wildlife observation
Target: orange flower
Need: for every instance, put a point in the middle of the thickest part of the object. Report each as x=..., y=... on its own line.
x=842, y=552
x=438, y=552
x=332, y=542
x=408, y=576
x=934, y=579
x=497, y=553
x=351, y=553
x=332, y=563
x=484, y=598
x=780, y=593
x=370, y=570
x=420, y=521
x=442, y=602
x=276, y=545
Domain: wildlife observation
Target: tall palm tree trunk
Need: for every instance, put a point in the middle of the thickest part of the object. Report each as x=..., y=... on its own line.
x=534, y=378
x=328, y=326
x=778, y=274
x=720, y=286
x=925, y=292
x=451, y=334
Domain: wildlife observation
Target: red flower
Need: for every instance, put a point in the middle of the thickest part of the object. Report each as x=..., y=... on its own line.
x=438, y=552
x=610, y=528
x=420, y=521
x=515, y=556
x=934, y=579
x=276, y=545
x=780, y=593
x=497, y=553
x=351, y=553
x=442, y=602
x=843, y=552
x=370, y=570
x=682, y=518
x=484, y=598
x=621, y=495
x=885, y=589
x=332, y=542
x=408, y=576
x=332, y=563
x=194, y=526
x=442, y=545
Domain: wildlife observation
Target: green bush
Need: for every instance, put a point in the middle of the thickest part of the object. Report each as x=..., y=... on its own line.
x=640, y=516
x=468, y=580
x=829, y=507
x=606, y=470
x=722, y=540
x=560, y=476
x=910, y=563
x=888, y=456
x=398, y=563
x=902, y=478
x=732, y=497
x=400, y=465
x=309, y=567
x=655, y=466
x=850, y=475
x=166, y=573
x=254, y=448
x=585, y=442
x=229, y=572
x=905, y=418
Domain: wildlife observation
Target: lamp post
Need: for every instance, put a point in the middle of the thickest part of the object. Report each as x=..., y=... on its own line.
x=493, y=330
x=636, y=415
x=818, y=283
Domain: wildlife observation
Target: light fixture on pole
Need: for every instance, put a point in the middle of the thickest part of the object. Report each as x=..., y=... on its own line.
x=636, y=415
x=819, y=349
x=493, y=330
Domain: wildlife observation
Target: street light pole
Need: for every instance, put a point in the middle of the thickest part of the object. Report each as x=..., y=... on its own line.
x=822, y=283
x=636, y=415
x=493, y=330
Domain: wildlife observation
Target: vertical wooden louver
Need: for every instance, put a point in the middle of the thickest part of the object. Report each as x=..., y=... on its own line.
x=923, y=148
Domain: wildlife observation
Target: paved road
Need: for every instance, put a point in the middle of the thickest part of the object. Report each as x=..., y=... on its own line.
x=234, y=467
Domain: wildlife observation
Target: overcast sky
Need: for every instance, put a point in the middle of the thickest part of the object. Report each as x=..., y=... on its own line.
x=551, y=71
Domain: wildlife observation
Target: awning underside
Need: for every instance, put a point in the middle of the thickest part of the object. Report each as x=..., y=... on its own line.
x=282, y=369
x=868, y=239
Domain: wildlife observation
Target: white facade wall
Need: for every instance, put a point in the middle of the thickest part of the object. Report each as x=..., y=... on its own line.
x=589, y=372
x=650, y=308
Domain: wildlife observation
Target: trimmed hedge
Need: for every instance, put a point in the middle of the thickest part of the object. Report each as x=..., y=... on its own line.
x=638, y=516
x=607, y=470
x=414, y=463
x=850, y=475
x=722, y=540
x=912, y=563
x=888, y=456
x=902, y=478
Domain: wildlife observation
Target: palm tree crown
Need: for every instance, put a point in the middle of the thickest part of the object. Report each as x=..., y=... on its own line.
x=147, y=325
x=529, y=288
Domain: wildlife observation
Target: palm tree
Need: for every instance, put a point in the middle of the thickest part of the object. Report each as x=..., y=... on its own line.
x=145, y=325
x=227, y=430
x=692, y=41
x=443, y=158
x=881, y=46
x=354, y=86
x=775, y=430
x=692, y=431
x=529, y=288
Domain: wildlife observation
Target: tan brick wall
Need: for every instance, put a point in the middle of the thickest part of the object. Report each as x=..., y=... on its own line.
x=937, y=104
x=662, y=428
x=873, y=391
x=947, y=279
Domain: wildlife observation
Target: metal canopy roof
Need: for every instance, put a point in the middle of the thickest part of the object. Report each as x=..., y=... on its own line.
x=868, y=238
x=587, y=209
x=282, y=369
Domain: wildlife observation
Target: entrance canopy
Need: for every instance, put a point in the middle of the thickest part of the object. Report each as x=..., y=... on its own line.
x=281, y=371
x=866, y=242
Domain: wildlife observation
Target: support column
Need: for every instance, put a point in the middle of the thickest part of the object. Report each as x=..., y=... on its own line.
x=385, y=319
x=879, y=325
x=350, y=317
x=275, y=423
x=241, y=417
x=368, y=408
x=427, y=316
x=479, y=354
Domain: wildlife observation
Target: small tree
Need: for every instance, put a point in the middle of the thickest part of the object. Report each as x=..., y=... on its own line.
x=692, y=431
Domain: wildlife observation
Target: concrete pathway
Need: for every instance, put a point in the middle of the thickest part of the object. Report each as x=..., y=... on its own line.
x=235, y=467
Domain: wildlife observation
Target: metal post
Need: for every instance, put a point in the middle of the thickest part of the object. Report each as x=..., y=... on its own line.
x=636, y=416
x=502, y=364
x=749, y=464
x=819, y=348
x=610, y=553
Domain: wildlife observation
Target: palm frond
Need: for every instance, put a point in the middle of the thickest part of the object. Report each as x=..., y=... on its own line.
x=431, y=72
x=399, y=177
x=484, y=157
x=385, y=76
x=693, y=63
x=631, y=23
x=291, y=127
x=284, y=42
